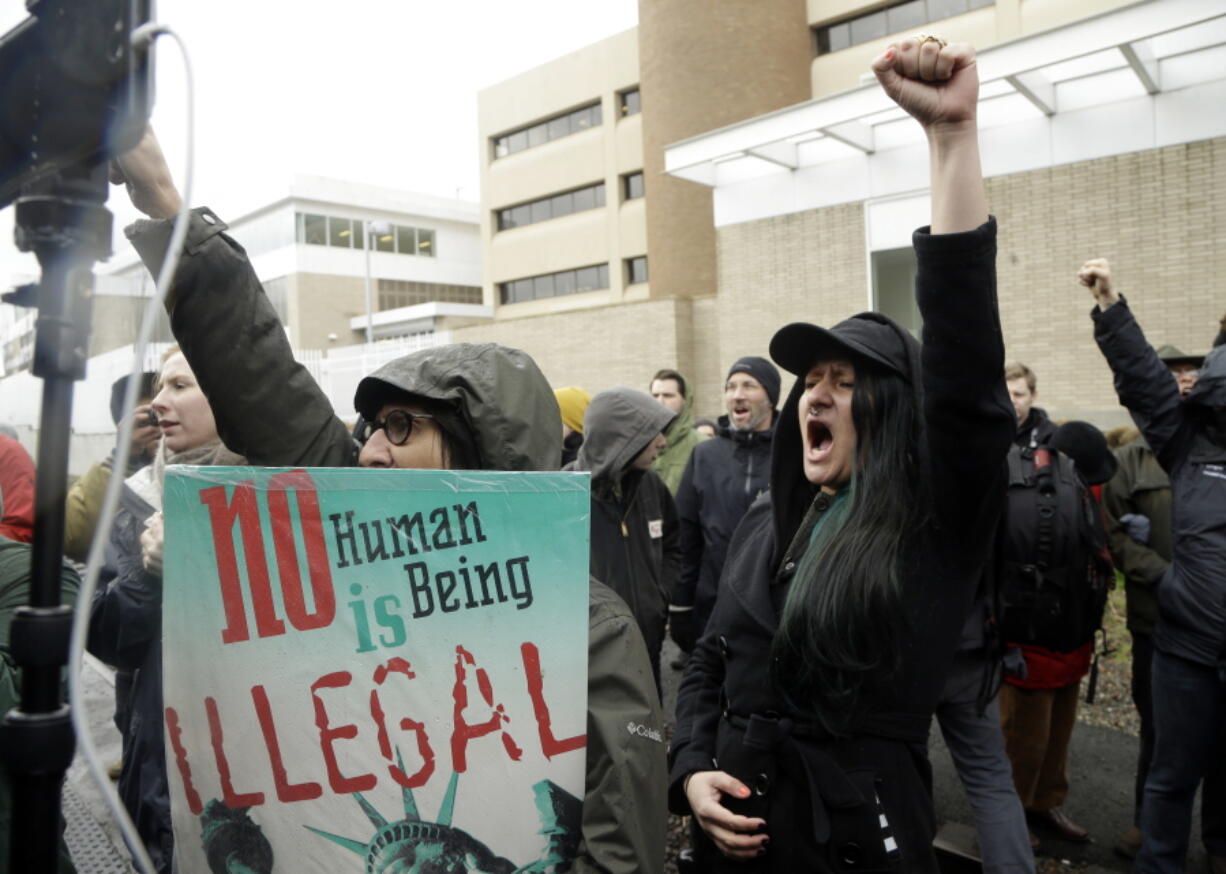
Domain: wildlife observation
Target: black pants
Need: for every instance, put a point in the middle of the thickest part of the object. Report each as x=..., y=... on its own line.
x=1142, y=697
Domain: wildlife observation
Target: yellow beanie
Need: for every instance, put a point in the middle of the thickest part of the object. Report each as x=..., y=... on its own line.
x=573, y=403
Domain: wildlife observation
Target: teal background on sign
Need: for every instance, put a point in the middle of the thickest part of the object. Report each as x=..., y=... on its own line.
x=400, y=591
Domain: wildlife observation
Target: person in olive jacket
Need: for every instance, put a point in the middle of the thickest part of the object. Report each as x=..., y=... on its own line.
x=1188, y=438
x=802, y=722
x=492, y=409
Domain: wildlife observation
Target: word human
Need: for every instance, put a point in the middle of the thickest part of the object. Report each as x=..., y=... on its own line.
x=398, y=536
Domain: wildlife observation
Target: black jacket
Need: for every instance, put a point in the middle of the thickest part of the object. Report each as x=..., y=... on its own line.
x=816, y=793
x=634, y=546
x=1192, y=594
x=723, y=478
x=125, y=630
x=1036, y=430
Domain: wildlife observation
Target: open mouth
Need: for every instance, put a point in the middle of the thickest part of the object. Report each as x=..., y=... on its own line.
x=740, y=412
x=820, y=440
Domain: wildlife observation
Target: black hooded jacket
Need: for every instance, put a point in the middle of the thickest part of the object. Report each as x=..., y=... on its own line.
x=1192, y=450
x=634, y=547
x=818, y=794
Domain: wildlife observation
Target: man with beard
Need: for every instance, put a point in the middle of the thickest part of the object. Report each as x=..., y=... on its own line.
x=724, y=476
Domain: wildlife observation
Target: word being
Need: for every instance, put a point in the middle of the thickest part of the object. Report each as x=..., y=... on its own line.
x=460, y=588
x=448, y=527
x=302, y=787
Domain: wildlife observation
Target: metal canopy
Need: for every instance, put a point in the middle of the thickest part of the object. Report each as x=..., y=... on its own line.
x=1146, y=49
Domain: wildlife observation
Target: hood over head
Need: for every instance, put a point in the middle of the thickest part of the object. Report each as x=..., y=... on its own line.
x=499, y=392
x=619, y=424
x=868, y=340
x=1210, y=388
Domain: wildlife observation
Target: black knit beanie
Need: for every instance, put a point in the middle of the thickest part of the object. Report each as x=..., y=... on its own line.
x=763, y=371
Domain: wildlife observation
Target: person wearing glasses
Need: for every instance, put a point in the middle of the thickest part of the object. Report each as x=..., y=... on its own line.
x=457, y=407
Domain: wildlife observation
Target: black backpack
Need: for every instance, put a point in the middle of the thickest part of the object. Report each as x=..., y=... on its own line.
x=1055, y=570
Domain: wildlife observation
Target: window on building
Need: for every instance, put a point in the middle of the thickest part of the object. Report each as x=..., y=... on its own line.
x=894, y=286
x=406, y=240
x=632, y=186
x=384, y=239
x=313, y=229
x=554, y=206
x=539, y=133
x=628, y=102
x=895, y=18
x=425, y=242
x=636, y=270
x=344, y=233
x=397, y=293
x=591, y=278
x=340, y=232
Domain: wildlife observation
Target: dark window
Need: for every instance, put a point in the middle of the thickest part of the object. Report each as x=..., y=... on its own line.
x=584, y=198
x=896, y=18
x=554, y=206
x=340, y=232
x=406, y=240
x=385, y=239
x=636, y=270
x=905, y=17
x=542, y=132
x=315, y=230
x=554, y=284
x=632, y=186
x=425, y=242
x=629, y=103
x=894, y=286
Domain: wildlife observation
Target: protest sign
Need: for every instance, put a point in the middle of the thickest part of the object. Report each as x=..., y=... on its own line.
x=368, y=669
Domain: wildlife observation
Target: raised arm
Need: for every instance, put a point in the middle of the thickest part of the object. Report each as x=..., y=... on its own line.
x=969, y=421
x=1142, y=381
x=938, y=85
x=267, y=406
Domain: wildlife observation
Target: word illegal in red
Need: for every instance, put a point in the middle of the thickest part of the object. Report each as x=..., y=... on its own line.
x=463, y=731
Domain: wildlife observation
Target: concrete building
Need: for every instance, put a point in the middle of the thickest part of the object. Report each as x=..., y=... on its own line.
x=1104, y=127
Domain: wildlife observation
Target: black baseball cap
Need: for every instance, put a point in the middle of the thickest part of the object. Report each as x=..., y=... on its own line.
x=870, y=336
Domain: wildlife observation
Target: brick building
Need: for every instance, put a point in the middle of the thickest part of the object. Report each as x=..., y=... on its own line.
x=776, y=185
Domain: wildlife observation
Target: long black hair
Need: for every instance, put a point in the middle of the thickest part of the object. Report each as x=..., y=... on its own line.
x=842, y=618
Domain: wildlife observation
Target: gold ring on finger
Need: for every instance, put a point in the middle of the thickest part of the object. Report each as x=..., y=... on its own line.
x=922, y=38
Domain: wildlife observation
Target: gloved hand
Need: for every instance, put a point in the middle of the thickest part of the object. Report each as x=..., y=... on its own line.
x=683, y=627
x=1137, y=526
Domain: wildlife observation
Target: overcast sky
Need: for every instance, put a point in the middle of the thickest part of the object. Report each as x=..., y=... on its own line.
x=378, y=91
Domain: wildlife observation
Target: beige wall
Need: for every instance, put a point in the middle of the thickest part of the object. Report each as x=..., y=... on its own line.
x=1159, y=215
x=706, y=65
x=319, y=305
x=610, y=235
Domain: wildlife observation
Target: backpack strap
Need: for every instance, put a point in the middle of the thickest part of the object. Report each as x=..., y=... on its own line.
x=1045, y=497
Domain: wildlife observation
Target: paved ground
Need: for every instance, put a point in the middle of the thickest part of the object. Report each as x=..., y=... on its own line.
x=1101, y=763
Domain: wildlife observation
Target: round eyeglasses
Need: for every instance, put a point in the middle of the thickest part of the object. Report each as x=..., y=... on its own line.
x=397, y=426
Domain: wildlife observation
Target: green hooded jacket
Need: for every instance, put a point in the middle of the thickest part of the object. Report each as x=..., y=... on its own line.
x=682, y=438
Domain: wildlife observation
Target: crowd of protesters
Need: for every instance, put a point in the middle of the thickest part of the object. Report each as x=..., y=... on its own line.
x=838, y=563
